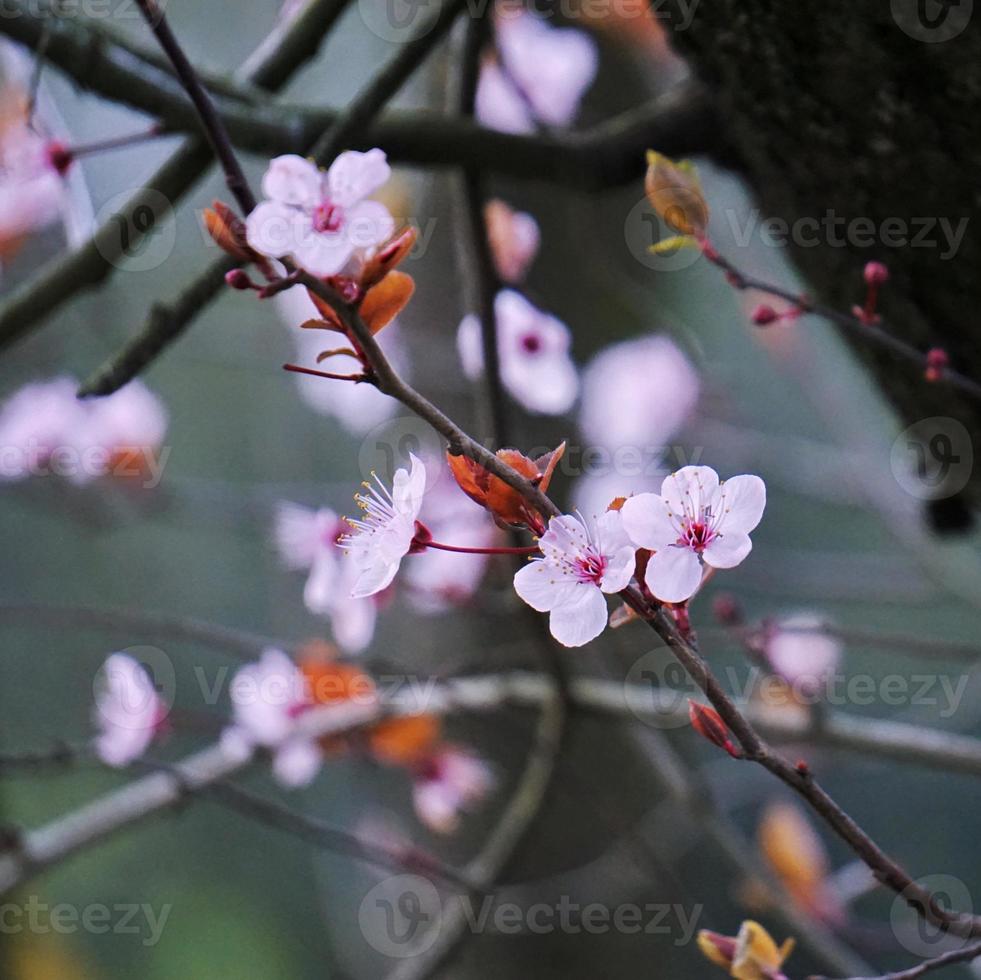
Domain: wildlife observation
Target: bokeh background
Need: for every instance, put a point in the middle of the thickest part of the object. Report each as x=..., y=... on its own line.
x=86, y=571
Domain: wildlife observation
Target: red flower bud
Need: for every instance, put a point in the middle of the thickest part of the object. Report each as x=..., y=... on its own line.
x=707, y=722
x=239, y=279
x=937, y=360
x=764, y=315
x=876, y=274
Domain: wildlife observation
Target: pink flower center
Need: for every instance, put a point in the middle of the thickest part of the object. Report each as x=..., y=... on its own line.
x=531, y=343
x=589, y=567
x=696, y=535
x=327, y=217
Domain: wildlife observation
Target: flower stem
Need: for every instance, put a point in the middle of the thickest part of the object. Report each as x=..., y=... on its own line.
x=532, y=549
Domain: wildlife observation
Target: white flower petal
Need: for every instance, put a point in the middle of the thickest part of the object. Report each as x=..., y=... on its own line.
x=742, y=500
x=295, y=534
x=322, y=254
x=409, y=488
x=581, y=620
x=620, y=569
x=543, y=587
x=673, y=574
x=353, y=623
x=647, y=520
x=368, y=224
x=690, y=490
x=468, y=345
x=727, y=550
x=275, y=229
x=320, y=591
x=291, y=179
x=353, y=176
x=296, y=762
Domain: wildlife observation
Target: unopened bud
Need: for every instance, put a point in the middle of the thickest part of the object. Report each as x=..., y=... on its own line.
x=708, y=723
x=876, y=274
x=937, y=361
x=239, y=279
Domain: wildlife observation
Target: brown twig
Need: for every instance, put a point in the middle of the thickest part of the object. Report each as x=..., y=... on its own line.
x=964, y=955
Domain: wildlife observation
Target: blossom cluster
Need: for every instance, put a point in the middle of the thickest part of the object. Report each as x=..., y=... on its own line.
x=268, y=697
x=45, y=428
x=667, y=543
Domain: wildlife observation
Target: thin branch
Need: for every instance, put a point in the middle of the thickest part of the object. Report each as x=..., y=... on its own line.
x=475, y=261
x=325, y=835
x=965, y=955
x=286, y=49
x=875, y=333
x=241, y=643
x=166, y=323
x=213, y=126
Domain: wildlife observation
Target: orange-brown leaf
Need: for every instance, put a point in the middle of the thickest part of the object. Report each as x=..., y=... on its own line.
x=386, y=300
x=404, y=741
x=508, y=506
x=675, y=194
x=388, y=257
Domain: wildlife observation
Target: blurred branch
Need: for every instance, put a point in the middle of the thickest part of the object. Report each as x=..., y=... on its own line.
x=611, y=153
x=289, y=46
x=167, y=322
x=475, y=263
x=964, y=955
x=203, y=106
x=325, y=835
x=866, y=331
x=241, y=643
x=34, y=850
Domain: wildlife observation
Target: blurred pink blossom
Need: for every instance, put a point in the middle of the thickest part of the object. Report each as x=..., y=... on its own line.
x=541, y=77
x=637, y=393
x=358, y=407
x=128, y=711
x=321, y=218
x=437, y=579
x=45, y=428
x=536, y=368
x=798, y=649
x=307, y=541
x=450, y=782
x=267, y=697
x=514, y=238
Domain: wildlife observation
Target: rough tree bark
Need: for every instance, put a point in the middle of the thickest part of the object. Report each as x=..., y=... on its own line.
x=869, y=111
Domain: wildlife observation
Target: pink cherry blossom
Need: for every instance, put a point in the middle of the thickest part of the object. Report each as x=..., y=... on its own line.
x=578, y=566
x=358, y=407
x=439, y=580
x=32, y=195
x=44, y=428
x=447, y=784
x=799, y=650
x=128, y=712
x=694, y=520
x=267, y=697
x=34, y=422
x=637, y=393
x=541, y=77
x=321, y=219
x=514, y=238
x=378, y=542
x=307, y=541
x=533, y=348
